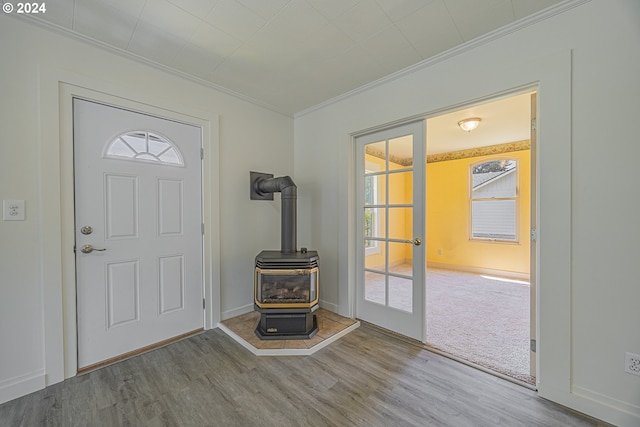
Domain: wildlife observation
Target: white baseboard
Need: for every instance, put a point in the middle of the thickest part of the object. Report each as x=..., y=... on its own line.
x=607, y=409
x=15, y=387
x=329, y=306
x=229, y=314
x=479, y=270
x=592, y=404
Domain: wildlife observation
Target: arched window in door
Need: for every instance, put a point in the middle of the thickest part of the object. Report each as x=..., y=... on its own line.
x=144, y=146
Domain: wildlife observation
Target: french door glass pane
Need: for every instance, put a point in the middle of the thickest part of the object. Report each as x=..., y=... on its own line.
x=374, y=223
x=401, y=223
x=375, y=289
x=376, y=152
x=375, y=189
x=400, y=258
x=401, y=151
x=401, y=188
x=375, y=256
x=401, y=293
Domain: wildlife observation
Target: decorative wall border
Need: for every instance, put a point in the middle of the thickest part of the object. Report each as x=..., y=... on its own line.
x=480, y=151
x=403, y=161
x=457, y=155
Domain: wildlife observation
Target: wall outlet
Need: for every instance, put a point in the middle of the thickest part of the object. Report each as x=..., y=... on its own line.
x=632, y=363
x=13, y=210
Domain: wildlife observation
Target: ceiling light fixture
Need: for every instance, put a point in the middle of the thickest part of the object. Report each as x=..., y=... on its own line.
x=468, y=125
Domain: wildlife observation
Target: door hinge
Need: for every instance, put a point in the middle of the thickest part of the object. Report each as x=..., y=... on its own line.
x=534, y=125
x=202, y=154
x=202, y=228
x=74, y=249
x=534, y=235
x=533, y=346
x=204, y=303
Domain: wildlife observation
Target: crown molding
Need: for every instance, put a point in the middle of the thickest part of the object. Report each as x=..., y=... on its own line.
x=535, y=18
x=472, y=44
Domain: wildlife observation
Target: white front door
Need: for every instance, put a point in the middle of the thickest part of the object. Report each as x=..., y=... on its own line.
x=138, y=230
x=391, y=229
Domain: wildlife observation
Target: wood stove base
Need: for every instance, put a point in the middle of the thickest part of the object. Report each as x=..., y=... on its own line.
x=286, y=325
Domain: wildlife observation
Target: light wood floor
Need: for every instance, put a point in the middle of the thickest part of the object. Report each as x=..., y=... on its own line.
x=366, y=378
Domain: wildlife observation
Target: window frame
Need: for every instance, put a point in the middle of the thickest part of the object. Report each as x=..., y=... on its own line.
x=515, y=198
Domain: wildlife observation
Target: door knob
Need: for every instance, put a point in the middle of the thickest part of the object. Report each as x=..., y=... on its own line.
x=416, y=241
x=87, y=249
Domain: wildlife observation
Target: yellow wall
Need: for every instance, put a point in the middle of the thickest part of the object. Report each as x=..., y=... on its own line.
x=448, y=218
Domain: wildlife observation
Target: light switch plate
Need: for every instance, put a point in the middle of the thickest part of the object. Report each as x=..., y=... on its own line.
x=13, y=210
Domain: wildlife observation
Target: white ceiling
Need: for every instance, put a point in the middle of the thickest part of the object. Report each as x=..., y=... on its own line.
x=503, y=120
x=287, y=55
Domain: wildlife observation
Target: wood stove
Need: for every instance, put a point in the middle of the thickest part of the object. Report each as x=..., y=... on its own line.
x=286, y=281
x=286, y=294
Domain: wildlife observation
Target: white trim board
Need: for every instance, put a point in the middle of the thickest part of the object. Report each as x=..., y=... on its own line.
x=22, y=385
x=235, y=312
x=479, y=270
x=287, y=351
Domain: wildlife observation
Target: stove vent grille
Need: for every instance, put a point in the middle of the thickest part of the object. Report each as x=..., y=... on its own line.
x=286, y=264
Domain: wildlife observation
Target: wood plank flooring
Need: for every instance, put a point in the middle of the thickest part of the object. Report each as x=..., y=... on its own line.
x=366, y=378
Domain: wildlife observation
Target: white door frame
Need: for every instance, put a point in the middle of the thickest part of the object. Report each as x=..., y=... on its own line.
x=57, y=205
x=354, y=153
x=533, y=196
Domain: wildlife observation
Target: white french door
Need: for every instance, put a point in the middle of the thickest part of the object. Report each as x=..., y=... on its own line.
x=390, y=229
x=138, y=216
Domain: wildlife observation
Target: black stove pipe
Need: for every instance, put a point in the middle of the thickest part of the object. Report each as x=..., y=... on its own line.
x=289, y=194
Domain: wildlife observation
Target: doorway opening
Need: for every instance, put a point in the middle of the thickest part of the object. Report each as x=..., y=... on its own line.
x=480, y=199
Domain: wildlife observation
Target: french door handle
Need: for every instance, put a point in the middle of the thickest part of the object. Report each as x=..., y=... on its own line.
x=87, y=249
x=416, y=241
